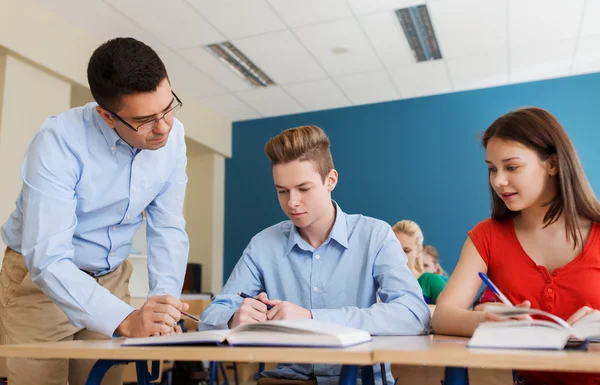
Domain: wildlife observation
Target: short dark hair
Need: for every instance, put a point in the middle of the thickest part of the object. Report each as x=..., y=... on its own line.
x=121, y=67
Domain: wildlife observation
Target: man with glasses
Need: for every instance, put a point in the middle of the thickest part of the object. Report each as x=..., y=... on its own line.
x=88, y=176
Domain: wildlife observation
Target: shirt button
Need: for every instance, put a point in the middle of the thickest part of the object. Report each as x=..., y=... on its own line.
x=315, y=289
x=317, y=256
x=129, y=217
x=550, y=290
x=112, y=254
x=114, y=228
x=554, y=274
x=112, y=148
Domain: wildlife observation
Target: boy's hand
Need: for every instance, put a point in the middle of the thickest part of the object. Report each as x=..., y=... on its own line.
x=287, y=310
x=251, y=310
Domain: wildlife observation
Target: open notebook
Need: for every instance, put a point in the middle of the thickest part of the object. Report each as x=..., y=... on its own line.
x=534, y=334
x=271, y=333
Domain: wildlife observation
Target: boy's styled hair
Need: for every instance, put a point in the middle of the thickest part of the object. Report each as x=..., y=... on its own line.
x=412, y=229
x=304, y=143
x=540, y=131
x=121, y=67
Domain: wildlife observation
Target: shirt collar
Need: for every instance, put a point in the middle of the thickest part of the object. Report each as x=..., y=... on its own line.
x=339, y=232
x=109, y=133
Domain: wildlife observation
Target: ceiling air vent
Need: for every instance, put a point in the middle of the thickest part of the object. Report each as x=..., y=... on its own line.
x=419, y=32
x=233, y=58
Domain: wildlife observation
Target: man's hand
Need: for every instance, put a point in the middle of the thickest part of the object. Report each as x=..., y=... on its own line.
x=158, y=316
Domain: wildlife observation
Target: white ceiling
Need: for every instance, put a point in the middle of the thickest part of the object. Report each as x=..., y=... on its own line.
x=484, y=43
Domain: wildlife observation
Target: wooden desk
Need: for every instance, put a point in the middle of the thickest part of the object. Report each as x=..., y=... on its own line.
x=109, y=352
x=452, y=353
x=449, y=352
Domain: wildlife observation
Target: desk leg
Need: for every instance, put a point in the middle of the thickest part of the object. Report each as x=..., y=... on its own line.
x=141, y=369
x=349, y=375
x=367, y=376
x=101, y=367
x=456, y=376
x=99, y=370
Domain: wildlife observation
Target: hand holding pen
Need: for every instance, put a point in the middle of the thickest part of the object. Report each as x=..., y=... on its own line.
x=252, y=309
x=492, y=317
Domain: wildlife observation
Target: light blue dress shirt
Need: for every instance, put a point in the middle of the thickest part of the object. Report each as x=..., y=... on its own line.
x=339, y=282
x=84, y=190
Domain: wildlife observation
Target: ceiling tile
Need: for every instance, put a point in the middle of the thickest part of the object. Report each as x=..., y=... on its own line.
x=178, y=26
x=590, y=25
x=370, y=6
x=91, y=17
x=318, y=95
x=213, y=67
x=236, y=19
x=271, y=101
x=185, y=76
x=532, y=21
x=587, y=58
x=368, y=87
x=321, y=38
x=421, y=79
x=282, y=57
x=467, y=27
x=543, y=60
x=481, y=71
x=296, y=13
x=387, y=38
x=230, y=107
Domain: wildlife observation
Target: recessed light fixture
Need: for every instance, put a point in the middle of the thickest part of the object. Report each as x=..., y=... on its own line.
x=419, y=32
x=239, y=63
x=340, y=50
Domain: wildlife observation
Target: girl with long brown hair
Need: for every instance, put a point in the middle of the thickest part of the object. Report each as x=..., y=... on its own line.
x=541, y=246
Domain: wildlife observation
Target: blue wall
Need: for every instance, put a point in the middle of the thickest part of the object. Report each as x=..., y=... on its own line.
x=416, y=159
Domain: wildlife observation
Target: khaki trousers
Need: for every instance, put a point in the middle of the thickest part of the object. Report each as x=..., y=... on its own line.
x=27, y=315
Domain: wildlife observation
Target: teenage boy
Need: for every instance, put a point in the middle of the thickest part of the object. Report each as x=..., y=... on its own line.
x=322, y=264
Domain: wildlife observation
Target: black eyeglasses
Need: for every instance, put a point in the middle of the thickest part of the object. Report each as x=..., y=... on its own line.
x=150, y=125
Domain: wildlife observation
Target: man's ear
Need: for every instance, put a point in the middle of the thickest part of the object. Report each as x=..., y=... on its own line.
x=106, y=116
x=332, y=179
x=553, y=165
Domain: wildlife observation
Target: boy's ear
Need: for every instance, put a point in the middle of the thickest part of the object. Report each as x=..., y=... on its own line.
x=332, y=179
x=553, y=164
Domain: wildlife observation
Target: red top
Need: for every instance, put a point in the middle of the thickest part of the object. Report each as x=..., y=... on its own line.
x=562, y=293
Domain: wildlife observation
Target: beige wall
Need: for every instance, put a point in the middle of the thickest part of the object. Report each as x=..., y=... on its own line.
x=204, y=213
x=29, y=96
x=65, y=50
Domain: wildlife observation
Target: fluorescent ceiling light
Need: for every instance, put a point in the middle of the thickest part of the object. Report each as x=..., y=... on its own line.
x=419, y=32
x=233, y=58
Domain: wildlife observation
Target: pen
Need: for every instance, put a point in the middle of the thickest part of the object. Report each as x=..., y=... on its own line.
x=244, y=295
x=493, y=288
x=192, y=317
